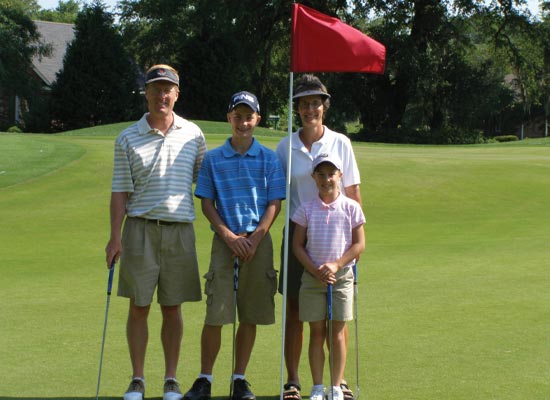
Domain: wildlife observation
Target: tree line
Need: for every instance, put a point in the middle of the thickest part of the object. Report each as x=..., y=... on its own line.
x=457, y=71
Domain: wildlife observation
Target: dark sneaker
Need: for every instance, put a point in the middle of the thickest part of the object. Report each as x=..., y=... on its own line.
x=241, y=390
x=199, y=391
x=136, y=390
x=171, y=390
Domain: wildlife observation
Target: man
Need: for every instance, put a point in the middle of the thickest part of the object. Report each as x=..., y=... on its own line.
x=156, y=161
x=241, y=185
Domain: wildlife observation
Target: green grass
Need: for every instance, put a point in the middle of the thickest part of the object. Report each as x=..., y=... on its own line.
x=453, y=286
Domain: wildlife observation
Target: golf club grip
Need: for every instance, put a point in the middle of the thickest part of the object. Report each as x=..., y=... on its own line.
x=354, y=268
x=110, y=281
x=236, y=274
x=329, y=302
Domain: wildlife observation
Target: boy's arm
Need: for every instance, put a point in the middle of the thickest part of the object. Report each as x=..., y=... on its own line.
x=239, y=245
x=272, y=210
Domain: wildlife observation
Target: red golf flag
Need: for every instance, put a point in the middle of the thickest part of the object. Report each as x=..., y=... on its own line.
x=325, y=44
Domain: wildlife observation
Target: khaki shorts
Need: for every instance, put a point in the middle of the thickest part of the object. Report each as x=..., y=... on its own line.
x=313, y=297
x=158, y=256
x=256, y=286
x=295, y=268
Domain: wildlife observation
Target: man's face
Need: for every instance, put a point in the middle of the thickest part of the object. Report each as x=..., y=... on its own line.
x=161, y=97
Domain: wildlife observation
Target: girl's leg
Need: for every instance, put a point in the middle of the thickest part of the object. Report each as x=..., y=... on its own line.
x=339, y=350
x=317, y=334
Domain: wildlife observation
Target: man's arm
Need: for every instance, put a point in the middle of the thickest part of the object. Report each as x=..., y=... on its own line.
x=118, y=212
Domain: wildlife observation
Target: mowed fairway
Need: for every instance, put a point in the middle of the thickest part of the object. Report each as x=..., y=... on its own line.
x=453, y=287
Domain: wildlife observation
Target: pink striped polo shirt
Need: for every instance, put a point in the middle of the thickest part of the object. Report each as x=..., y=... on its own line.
x=329, y=227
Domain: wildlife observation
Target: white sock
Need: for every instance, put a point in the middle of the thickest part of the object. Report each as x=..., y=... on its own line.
x=237, y=376
x=320, y=387
x=207, y=376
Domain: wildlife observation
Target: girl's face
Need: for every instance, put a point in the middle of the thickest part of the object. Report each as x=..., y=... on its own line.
x=327, y=177
x=311, y=110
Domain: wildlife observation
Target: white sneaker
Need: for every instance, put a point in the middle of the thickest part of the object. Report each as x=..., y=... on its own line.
x=317, y=393
x=172, y=390
x=335, y=393
x=135, y=390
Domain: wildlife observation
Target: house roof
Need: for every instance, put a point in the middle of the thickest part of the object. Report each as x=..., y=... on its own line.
x=59, y=35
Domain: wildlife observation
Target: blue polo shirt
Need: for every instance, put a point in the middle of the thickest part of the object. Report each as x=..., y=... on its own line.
x=241, y=185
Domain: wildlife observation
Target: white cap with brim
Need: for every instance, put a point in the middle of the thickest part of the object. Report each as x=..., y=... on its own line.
x=310, y=93
x=327, y=157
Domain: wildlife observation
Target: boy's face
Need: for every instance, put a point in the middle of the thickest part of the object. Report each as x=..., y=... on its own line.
x=243, y=120
x=327, y=177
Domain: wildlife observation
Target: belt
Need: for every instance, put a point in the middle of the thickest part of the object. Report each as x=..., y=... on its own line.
x=158, y=222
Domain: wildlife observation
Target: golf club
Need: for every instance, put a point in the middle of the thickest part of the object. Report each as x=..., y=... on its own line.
x=109, y=287
x=356, y=331
x=330, y=348
x=235, y=290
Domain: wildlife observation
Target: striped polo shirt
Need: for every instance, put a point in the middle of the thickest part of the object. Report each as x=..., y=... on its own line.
x=329, y=227
x=158, y=171
x=241, y=185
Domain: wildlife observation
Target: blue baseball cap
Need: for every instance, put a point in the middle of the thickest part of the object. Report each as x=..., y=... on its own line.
x=244, y=98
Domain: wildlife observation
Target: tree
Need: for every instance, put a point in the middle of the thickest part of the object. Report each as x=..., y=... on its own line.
x=98, y=82
x=66, y=11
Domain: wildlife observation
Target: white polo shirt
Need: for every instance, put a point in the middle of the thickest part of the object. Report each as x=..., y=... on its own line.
x=158, y=170
x=302, y=185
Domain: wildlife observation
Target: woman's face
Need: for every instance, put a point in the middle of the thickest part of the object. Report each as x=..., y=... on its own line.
x=311, y=110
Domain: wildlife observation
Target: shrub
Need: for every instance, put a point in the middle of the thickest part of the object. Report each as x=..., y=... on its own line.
x=506, y=138
x=14, y=129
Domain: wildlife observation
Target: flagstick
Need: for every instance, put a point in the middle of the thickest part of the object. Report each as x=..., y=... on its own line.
x=287, y=227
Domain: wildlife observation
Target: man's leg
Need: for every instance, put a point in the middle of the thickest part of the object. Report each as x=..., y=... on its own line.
x=293, y=339
x=171, y=335
x=137, y=335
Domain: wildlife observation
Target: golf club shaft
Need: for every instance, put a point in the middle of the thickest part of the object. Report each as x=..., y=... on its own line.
x=330, y=347
x=235, y=290
x=356, y=331
x=109, y=288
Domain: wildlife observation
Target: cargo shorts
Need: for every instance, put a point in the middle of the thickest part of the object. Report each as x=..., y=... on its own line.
x=257, y=285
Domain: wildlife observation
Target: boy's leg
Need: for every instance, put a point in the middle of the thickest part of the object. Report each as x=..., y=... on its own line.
x=246, y=337
x=171, y=335
x=317, y=334
x=339, y=350
x=137, y=335
x=211, y=340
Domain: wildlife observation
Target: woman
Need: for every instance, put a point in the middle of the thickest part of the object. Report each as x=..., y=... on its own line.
x=311, y=100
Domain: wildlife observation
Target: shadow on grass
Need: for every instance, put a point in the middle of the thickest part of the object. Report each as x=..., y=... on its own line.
x=117, y=398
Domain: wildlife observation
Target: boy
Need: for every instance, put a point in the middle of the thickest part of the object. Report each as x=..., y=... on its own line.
x=241, y=185
x=328, y=237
